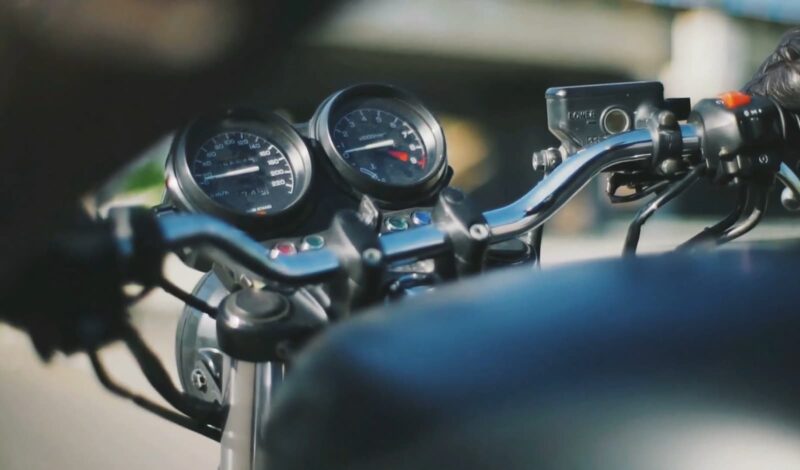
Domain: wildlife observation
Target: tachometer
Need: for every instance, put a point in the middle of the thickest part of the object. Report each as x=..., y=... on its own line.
x=383, y=142
x=381, y=145
x=245, y=168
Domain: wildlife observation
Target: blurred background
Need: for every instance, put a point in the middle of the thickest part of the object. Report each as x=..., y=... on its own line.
x=482, y=66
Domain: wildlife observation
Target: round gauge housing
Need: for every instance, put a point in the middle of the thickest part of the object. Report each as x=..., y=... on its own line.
x=245, y=168
x=383, y=142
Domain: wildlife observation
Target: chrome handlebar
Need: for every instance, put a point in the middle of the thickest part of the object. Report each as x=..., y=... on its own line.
x=567, y=179
x=226, y=244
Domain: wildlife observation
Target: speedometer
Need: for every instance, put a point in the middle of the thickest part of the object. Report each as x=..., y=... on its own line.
x=383, y=142
x=245, y=173
x=247, y=168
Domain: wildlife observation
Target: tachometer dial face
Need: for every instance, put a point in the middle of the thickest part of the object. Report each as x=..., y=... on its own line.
x=245, y=173
x=381, y=145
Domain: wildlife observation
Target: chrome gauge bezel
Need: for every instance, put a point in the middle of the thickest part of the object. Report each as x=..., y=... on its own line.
x=397, y=102
x=184, y=191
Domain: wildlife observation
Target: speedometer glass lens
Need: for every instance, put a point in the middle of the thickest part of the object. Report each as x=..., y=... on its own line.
x=245, y=173
x=381, y=145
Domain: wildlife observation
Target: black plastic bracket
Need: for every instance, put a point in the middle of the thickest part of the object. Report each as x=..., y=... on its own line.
x=466, y=228
x=680, y=107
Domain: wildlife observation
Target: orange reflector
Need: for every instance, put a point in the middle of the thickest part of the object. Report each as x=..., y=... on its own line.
x=735, y=99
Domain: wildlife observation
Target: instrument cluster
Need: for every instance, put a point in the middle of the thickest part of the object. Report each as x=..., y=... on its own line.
x=274, y=178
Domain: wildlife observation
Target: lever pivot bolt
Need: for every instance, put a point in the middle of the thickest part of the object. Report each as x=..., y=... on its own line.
x=546, y=160
x=670, y=166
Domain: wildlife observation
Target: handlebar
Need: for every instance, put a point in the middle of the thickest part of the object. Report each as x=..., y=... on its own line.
x=225, y=244
x=553, y=192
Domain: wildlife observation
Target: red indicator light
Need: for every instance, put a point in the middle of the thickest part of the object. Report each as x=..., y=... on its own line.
x=735, y=99
x=402, y=156
x=282, y=249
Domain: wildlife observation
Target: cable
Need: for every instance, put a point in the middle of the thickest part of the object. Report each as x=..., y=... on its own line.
x=673, y=191
x=159, y=378
x=118, y=390
x=187, y=298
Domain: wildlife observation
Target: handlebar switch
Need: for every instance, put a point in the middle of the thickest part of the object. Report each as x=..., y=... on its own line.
x=466, y=229
x=741, y=138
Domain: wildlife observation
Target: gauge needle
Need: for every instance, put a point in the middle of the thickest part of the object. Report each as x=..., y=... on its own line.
x=241, y=171
x=374, y=145
x=402, y=156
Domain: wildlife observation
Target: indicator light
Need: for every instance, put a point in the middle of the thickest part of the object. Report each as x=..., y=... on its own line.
x=735, y=99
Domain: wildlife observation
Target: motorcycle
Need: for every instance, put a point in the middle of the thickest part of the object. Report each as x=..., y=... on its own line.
x=263, y=370
x=357, y=311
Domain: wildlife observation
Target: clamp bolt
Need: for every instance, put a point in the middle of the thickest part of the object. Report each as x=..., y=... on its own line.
x=372, y=256
x=479, y=232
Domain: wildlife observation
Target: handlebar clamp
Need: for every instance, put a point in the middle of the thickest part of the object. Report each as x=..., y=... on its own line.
x=465, y=228
x=667, y=143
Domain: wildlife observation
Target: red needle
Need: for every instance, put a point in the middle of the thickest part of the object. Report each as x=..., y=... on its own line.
x=402, y=156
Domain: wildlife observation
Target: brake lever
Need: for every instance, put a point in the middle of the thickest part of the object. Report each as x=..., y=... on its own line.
x=755, y=208
x=752, y=206
x=715, y=231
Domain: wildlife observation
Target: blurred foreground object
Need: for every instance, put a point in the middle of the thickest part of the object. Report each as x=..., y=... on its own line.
x=85, y=86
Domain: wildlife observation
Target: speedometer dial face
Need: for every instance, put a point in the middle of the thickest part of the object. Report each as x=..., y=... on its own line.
x=245, y=173
x=382, y=146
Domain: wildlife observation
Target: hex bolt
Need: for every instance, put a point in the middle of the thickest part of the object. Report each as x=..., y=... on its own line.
x=546, y=160
x=372, y=256
x=199, y=380
x=479, y=232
